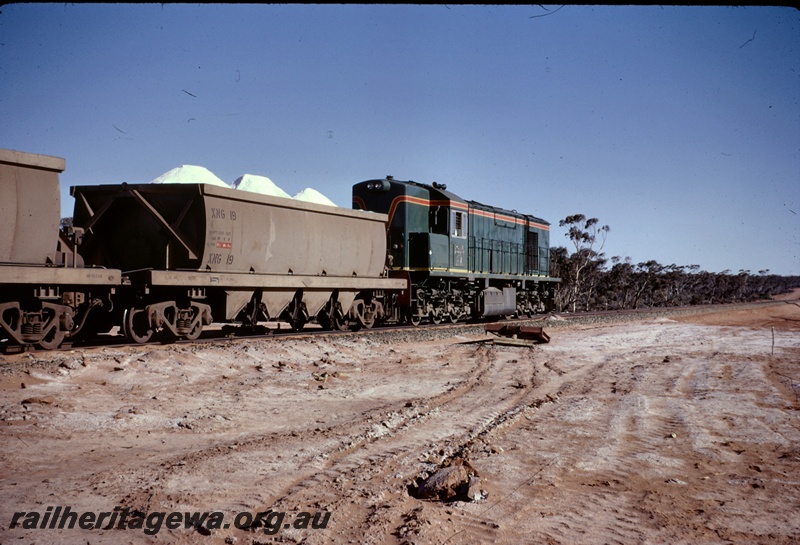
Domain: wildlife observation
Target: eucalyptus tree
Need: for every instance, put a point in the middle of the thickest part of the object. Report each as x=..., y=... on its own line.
x=586, y=261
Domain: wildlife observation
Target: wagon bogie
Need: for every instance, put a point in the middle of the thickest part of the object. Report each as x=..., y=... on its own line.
x=176, y=321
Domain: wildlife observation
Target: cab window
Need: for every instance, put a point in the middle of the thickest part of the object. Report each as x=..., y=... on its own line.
x=459, y=223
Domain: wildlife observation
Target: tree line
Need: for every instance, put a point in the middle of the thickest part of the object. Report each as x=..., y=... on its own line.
x=591, y=281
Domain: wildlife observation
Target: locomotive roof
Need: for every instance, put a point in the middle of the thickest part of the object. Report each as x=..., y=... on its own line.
x=447, y=194
x=489, y=208
x=498, y=210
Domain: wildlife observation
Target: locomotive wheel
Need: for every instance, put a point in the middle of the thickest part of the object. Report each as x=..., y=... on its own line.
x=414, y=319
x=436, y=316
x=453, y=317
x=136, y=326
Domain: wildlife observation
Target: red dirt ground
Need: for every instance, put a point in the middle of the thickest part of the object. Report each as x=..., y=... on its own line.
x=679, y=431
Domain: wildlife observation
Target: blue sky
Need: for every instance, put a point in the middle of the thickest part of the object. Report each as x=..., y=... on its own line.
x=679, y=127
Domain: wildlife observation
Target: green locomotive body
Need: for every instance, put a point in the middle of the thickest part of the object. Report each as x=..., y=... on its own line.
x=463, y=259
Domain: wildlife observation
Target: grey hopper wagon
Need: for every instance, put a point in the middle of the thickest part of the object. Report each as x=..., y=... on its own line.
x=197, y=252
x=46, y=295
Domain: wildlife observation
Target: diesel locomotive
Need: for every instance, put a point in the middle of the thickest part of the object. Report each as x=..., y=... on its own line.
x=170, y=259
x=461, y=259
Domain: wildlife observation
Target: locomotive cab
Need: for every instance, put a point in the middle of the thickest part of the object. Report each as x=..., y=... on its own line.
x=427, y=227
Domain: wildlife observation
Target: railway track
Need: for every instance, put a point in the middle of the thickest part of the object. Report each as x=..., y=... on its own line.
x=281, y=330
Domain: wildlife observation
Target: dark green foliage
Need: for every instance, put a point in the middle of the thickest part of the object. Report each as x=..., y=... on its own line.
x=587, y=283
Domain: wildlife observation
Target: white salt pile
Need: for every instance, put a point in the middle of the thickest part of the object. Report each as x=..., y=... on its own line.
x=314, y=196
x=189, y=174
x=259, y=184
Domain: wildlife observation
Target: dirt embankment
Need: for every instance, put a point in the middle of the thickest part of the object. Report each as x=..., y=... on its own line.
x=662, y=430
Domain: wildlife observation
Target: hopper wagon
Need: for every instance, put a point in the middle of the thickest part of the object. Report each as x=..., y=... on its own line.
x=191, y=254
x=46, y=294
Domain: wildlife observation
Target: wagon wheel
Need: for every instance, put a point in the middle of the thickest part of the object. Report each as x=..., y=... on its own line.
x=297, y=323
x=365, y=314
x=194, y=334
x=332, y=318
x=325, y=321
x=297, y=317
x=136, y=326
x=338, y=321
x=54, y=338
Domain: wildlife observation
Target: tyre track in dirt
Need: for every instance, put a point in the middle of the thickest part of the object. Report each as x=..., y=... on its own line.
x=169, y=484
x=433, y=430
x=665, y=444
x=392, y=464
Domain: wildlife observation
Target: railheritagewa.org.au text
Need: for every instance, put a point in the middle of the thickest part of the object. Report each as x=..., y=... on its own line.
x=64, y=518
